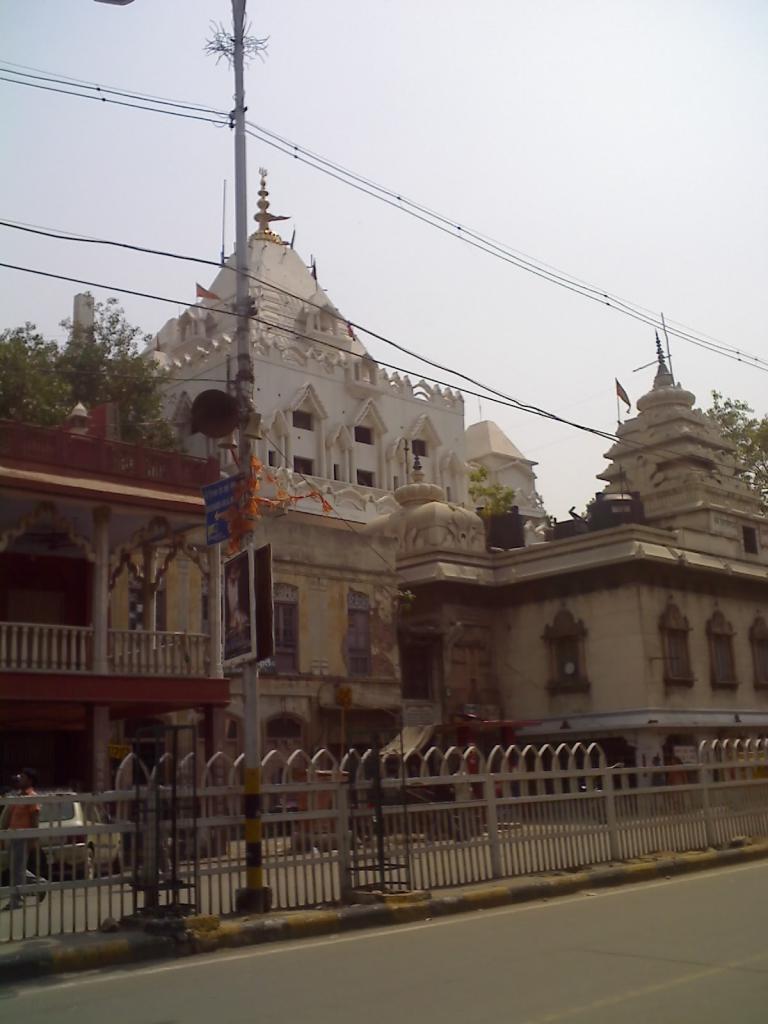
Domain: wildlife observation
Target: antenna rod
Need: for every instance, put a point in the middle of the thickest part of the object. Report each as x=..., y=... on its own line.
x=223, y=221
x=669, y=355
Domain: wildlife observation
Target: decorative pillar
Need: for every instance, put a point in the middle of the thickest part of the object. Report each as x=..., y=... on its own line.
x=216, y=669
x=148, y=592
x=322, y=470
x=98, y=726
x=100, y=590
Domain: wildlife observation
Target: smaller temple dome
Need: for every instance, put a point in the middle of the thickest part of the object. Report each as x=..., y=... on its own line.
x=425, y=521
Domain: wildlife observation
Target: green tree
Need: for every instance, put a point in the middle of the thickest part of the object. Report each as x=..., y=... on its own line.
x=493, y=499
x=93, y=367
x=741, y=427
x=30, y=389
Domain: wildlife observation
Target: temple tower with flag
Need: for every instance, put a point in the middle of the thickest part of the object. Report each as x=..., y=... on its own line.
x=333, y=418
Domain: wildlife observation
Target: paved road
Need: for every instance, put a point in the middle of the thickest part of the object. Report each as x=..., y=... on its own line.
x=692, y=948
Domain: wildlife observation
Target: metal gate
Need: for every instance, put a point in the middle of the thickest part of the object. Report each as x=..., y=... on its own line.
x=164, y=848
x=380, y=845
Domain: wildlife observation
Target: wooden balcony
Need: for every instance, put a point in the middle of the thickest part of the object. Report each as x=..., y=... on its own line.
x=31, y=647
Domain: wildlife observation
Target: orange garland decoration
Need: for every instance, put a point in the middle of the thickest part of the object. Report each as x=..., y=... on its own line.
x=249, y=505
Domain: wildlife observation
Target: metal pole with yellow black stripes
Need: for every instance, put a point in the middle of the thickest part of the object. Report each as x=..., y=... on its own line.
x=254, y=897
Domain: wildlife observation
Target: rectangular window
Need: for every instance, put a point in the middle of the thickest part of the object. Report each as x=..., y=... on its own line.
x=677, y=664
x=365, y=478
x=336, y=471
x=395, y=482
x=302, y=419
x=567, y=659
x=416, y=663
x=136, y=607
x=722, y=659
x=448, y=494
x=358, y=634
x=760, y=654
x=305, y=466
x=271, y=458
x=286, y=636
x=419, y=447
x=749, y=534
x=364, y=435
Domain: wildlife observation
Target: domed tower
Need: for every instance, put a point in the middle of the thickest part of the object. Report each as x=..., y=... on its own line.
x=677, y=460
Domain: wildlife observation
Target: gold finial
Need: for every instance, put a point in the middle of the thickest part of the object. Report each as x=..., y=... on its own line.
x=263, y=218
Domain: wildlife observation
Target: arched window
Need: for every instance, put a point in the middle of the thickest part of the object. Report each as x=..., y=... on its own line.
x=565, y=639
x=674, y=629
x=722, y=668
x=758, y=638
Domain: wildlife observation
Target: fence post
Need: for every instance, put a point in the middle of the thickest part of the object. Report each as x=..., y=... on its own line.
x=610, y=815
x=342, y=841
x=709, y=825
x=492, y=825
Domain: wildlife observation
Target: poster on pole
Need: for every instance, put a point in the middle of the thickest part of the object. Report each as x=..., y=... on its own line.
x=248, y=616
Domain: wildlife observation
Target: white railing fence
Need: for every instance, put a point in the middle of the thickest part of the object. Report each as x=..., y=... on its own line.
x=141, y=652
x=32, y=647
x=447, y=818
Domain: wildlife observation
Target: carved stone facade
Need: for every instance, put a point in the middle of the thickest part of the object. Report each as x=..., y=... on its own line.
x=647, y=637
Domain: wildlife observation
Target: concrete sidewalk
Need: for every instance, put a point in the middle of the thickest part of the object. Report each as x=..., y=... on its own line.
x=36, y=958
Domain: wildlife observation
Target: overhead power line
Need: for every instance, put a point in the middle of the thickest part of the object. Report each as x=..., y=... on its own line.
x=397, y=200
x=489, y=394
x=758, y=363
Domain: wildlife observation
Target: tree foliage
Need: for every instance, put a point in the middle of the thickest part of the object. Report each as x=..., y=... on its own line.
x=492, y=499
x=749, y=434
x=40, y=381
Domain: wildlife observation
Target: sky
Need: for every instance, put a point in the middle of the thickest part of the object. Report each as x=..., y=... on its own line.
x=622, y=142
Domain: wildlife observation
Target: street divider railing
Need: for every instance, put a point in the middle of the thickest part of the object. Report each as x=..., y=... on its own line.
x=335, y=829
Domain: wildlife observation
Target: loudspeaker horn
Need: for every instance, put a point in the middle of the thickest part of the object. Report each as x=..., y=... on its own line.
x=214, y=413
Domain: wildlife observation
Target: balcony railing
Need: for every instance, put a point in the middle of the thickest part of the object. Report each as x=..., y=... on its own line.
x=33, y=647
x=59, y=448
x=137, y=652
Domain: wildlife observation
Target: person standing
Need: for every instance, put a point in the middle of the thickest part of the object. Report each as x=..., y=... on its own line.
x=21, y=816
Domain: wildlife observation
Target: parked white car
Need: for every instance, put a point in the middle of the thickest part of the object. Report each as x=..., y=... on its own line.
x=85, y=854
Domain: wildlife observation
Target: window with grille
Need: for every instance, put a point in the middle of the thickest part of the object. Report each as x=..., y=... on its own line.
x=358, y=633
x=565, y=639
x=286, y=619
x=720, y=633
x=419, y=447
x=365, y=478
x=364, y=435
x=674, y=629
x=758, y=637
x=305, y=466
x=302, y=419
x=136, y=606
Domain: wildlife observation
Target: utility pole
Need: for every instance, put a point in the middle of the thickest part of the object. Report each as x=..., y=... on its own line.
x=254, y=897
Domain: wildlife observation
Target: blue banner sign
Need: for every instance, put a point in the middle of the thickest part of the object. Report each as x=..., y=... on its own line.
x=219, y=498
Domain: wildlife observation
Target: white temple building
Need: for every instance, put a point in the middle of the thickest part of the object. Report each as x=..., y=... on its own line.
x=333, y=419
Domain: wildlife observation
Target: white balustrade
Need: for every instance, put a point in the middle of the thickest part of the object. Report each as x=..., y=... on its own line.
x=37, y=647
x=141, y=652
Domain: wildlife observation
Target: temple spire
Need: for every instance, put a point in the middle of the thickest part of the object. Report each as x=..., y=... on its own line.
x=663, y=377
x=263, y=218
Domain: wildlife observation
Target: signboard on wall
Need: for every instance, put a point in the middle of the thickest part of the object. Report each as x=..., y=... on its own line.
x=248, y=623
